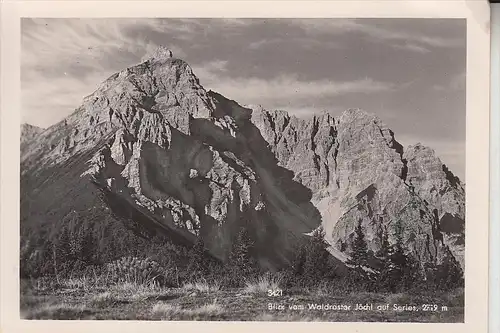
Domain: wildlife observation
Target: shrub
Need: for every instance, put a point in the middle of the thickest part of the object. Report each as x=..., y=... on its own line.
x=136, y=271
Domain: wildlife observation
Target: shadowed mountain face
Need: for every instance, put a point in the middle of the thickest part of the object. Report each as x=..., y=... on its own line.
x=167, y=157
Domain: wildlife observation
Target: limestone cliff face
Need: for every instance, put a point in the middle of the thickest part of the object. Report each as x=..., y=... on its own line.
x=357, y=171
x=442, y=191
x=136, y=100
x=189, y=160
x=195, y=163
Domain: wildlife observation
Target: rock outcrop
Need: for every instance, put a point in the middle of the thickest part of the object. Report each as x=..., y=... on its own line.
x=28, y=134
x=357, y=171
x=196, y=164
x=188, y=159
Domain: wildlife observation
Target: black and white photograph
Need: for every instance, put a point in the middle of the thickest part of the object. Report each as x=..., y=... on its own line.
x=243, y=169
x=295, y=166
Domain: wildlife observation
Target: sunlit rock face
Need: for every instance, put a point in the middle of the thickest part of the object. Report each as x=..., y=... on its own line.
x=357, y=171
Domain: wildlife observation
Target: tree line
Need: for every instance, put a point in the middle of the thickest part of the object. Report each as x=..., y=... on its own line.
x=71, y=250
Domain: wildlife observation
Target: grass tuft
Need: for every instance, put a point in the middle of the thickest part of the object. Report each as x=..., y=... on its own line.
x=166, y=311
x=129, y=288
x=212, y=309
x=202, y=286
x=262, y=284
x=103, y=300
x=60, y=311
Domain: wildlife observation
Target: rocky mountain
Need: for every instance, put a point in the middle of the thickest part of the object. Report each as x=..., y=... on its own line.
x=28, y=133
x=357, y=171
x=168, y=157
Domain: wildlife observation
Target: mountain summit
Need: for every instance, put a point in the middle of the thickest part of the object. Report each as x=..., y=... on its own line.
x=160, y=53
x=153, y=152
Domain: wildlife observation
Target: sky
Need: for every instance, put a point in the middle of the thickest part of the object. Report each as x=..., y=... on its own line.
x=409, y=72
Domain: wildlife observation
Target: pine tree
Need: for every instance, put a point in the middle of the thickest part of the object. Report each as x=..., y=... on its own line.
x=65, y=257
x=197, y=261
x=241, y=262
x=89, y=245
x=359, y=254
x=401, y=271
x=449, y=273
x=316, y=257
x=411, y=273
x=298, y=261
x=395, y=261
x=392, y=273
x=383, y=252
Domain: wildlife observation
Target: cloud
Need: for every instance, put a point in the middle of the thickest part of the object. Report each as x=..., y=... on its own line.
x=63, y=60
x=284, y=89
x=302, y=42
x=46, y=102
x=263, y=42
x=411, y=41
x=64, y=42
x=412, y=47
x=456, y=83
x=216, y=66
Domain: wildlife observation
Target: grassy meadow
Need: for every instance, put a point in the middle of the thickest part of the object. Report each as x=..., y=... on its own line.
x=94, y=299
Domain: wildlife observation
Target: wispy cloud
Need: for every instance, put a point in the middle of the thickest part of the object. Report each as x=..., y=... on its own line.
x=302, y=42
x=399, y=39
x=412, y=47
x=456, y=83
x=215, y=66
x=63, y=60
x=46, y=102
x=94, y=42
x=285, y=89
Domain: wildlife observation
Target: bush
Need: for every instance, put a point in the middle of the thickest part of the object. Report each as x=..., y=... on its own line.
x=136, y=271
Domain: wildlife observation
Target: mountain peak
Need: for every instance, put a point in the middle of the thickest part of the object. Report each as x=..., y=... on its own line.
x=359, y=117
x=161, y=53
x=28, y=133
x=25, y=128
x=356, y=113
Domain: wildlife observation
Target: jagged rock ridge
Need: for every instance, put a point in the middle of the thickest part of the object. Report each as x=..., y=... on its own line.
x=190, y=160
x=28, y=133
x=357, y=170
x=195, y=163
